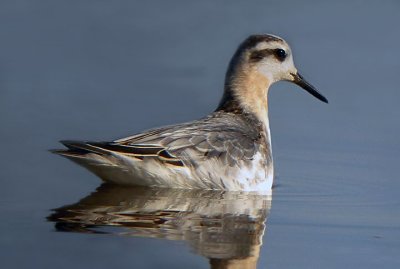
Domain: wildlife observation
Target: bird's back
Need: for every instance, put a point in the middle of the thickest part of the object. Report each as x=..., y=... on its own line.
x=221, y=151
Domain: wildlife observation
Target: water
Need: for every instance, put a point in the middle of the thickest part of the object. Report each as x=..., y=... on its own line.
x=224, y=227
x=102, y=70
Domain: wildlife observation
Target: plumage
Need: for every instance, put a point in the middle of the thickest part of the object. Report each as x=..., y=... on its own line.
x=229, y=149
x=227, y=140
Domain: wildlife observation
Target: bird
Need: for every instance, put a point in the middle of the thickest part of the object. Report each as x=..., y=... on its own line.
x=229, y=149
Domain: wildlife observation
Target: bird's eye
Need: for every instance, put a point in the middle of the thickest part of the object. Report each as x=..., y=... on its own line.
x=280, y=54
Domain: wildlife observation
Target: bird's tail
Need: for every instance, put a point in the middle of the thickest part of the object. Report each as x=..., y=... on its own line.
x=94, y=158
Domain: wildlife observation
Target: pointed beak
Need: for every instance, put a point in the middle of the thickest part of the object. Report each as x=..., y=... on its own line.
x=299, y=80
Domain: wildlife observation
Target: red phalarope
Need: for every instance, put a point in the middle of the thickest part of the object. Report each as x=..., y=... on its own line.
x=229, y=149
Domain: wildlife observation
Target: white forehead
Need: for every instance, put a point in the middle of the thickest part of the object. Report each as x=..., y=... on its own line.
x=272, y=45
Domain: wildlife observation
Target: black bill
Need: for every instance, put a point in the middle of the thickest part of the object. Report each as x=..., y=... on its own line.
x=299, y=80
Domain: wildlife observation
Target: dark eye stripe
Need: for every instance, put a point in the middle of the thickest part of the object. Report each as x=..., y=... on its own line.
x=258, y=55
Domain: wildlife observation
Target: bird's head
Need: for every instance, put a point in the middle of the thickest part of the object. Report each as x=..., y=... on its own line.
x=270, y=58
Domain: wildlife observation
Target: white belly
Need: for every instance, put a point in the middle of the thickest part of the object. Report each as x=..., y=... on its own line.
x=254, y=175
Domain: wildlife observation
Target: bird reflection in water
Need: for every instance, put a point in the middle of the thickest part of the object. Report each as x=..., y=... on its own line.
x=225, y=227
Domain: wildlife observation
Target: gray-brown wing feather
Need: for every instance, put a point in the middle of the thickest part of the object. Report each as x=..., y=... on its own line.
x=226, y=137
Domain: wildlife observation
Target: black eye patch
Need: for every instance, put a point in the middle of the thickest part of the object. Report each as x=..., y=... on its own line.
x=258, y=55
